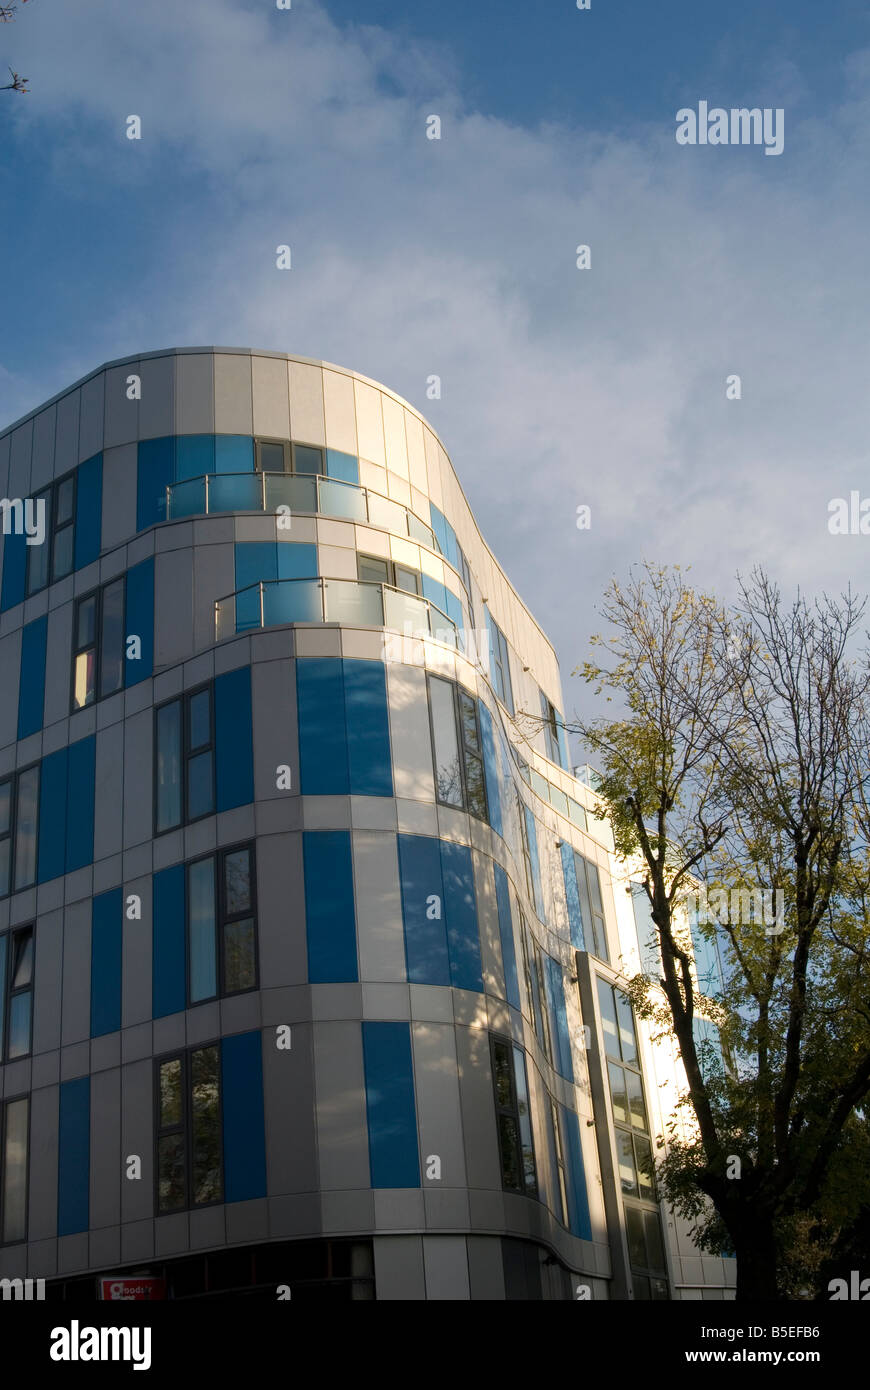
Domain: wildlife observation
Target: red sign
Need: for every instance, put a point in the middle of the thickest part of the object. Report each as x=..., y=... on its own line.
x=133, y=1290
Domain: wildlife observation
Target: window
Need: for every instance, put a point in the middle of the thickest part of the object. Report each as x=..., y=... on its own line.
x=99, y=648
x=464, y=570
x=591, y=905
x=457, y=748
x=648, y=1269
x=221, y=916
x=273, y=456
x=19, y=809
x=647, y=932
x=184, y=743
x=16, y=993
x=535, y=988
x=559, y=1157
x=14, y=1143
x=551, y=731
x=633, y=1146
x=54, y=559
x=513, y=1117
x=189, y=1164
x=280, y=456
x=377, y=571
x=500, y=669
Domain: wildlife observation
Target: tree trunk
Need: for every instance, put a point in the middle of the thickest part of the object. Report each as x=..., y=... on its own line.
x=755, y=1247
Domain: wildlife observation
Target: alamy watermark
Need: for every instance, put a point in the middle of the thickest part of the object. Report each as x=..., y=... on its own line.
x=24, y=517
x=747, y=907
x=739, y=126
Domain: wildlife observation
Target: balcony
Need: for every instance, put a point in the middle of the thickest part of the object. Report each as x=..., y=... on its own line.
x=359, y=603
x=310, y=493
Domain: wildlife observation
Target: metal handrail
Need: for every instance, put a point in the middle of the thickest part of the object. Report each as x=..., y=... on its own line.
x=318, y=478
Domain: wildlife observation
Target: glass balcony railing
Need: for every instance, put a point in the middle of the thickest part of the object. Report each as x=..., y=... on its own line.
x=297, y=492
x=272, y=602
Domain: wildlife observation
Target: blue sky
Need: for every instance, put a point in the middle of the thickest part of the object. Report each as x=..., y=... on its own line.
x=561, y=387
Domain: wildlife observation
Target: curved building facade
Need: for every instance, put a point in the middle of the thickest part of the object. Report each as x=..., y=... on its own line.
x=310, y=957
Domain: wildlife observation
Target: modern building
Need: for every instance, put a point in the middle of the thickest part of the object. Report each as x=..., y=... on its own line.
x=310, y=955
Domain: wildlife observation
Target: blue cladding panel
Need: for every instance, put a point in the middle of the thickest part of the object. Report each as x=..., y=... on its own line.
x=243, y=1117
x=323, y=767
x=31, y=690
x=460, y=911
x=578, y=1202
x=343, y=466
x=572, y=896
x=74, y=1156
x=194, y=456
x=559, y=1017
x=255, y=560
x=156, y=470
x=52, y=815
x=234, y=739
x=296, y=561
x=330, y=920
x=425, y=937
x=490, y=767
x=107, y=923
x=233, y=453
x=368, y=728
x=140, y=620
x=89, y=511
x=532, y=832
x=80, y=804
x=506, y=933
x=392, y=1118
x=14, y=569
x=169, y=988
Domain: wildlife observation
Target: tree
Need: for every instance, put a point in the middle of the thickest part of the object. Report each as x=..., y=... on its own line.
x=741, y=760
x=7, y=15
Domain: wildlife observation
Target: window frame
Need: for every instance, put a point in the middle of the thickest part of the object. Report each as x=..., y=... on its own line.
x=392, y=568
x=512, y=1111
x=185, y=1127
x=15, y=779
x=9, y=993
x=285, y=447
x=9, y=834
x=501, y=673
x=304, y=472
x=457, y=692
x=4, y=1104
x=186, y=754
x=52, y=529
x=551, y=729
x=77, y=651
x=222, y=920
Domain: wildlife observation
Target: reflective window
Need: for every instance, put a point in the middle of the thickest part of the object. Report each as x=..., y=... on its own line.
x=307, y=459
x=221, y=914
x=5, y=835
x=39, y=556
x=273, y=456
x=189, y=1130
x=513, y=1119
x=551, y=731
x=500, y=669
x=445, y=740
x=99, y=644
x=13, y=1170
x=26, y=817
x=184, y=750
x=376, y=570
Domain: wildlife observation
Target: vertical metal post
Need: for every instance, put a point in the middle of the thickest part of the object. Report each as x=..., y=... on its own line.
x=206, y=494
x=263, y=489
x=262, y=604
